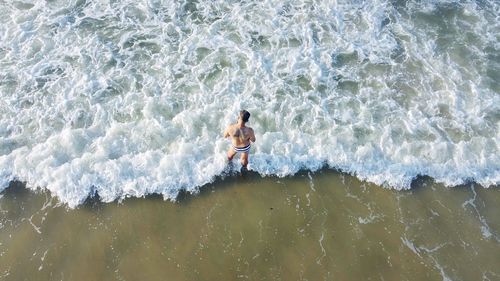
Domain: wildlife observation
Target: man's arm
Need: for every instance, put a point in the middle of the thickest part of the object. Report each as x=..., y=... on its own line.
x=226, y=133
x=252, y=135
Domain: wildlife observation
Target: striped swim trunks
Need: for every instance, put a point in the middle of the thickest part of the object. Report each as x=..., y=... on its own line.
x=242, y=149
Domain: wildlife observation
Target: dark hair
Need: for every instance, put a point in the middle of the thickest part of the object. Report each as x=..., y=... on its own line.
x=245, y=115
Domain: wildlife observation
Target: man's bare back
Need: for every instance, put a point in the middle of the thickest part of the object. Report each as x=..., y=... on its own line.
x=241, y=136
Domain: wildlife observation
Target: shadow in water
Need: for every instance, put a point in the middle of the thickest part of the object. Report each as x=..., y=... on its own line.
x=223, y=182
x=17, y=190
x=92, y=203
x=420, y=182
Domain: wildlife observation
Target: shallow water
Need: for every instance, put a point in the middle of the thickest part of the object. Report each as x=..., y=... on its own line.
x=313, y=226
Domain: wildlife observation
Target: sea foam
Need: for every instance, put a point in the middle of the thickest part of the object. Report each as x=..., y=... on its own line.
x=130, y=98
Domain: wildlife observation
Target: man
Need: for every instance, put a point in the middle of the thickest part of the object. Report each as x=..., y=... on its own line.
x=241, y=136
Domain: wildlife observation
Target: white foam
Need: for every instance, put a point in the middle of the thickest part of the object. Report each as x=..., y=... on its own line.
x=130, y=98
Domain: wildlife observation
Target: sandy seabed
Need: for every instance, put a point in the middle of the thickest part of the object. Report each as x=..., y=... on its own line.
x=313, y=226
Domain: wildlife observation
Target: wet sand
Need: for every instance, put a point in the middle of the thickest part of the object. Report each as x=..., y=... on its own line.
x=313, y=226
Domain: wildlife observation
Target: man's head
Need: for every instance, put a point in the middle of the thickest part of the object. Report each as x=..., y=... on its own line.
x=244, y=115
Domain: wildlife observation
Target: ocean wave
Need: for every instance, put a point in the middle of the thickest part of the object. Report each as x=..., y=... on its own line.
x=130, y=98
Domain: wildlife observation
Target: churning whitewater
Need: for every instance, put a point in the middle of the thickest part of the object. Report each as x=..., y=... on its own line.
x=128, y=98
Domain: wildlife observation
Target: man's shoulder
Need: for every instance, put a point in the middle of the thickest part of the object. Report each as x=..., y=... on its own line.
x=232, y=128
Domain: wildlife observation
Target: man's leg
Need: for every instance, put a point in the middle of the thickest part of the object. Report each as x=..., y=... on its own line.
x=244, y=159
x=230, y=154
